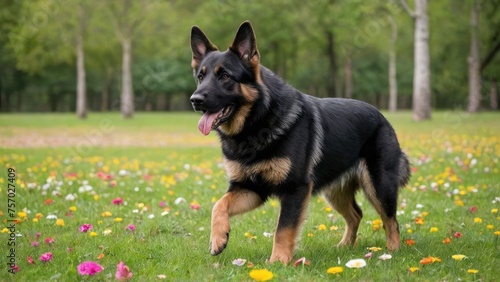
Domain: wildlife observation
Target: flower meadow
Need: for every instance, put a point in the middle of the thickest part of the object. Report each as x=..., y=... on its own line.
x=142, y=213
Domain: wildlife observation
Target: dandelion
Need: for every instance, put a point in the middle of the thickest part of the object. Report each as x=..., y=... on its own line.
x=458, y=257
x=22, y=215
x=335, y=270
x=261, y=275
x=46, y=257
x=250, y=235
x=490, y=226
x=106, y=214
x=60, y=222
x=478, y=220
x=494, y=211
x=413, y=269
x=122, y=272
x=334, y=227
x=89, y=268
x=85, y=227
x=472, y=271
x=376, y=224
x=93, y=234
x=356, y=263
x=321, y=227
x=434, y=229
x=374, y=249
x=497, y=233
x=117, y=219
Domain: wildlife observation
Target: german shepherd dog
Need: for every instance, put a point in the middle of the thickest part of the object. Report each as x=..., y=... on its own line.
x=279, y=142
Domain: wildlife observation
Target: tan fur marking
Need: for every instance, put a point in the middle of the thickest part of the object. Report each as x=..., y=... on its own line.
x=203, y=70
x=195, y=63
x=236, y=123
x=366, y=182
x=216, y=69
x=232, y=203
x=284, y=245
x=273, y=171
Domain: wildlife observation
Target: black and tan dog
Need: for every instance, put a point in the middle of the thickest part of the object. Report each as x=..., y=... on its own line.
x=279, y=142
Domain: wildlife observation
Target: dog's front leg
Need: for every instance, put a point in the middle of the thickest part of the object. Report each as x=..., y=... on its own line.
x=292, y=216
x=235, y=201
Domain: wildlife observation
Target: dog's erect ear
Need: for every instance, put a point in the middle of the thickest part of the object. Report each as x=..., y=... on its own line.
x=200, y=45
x=245, y=45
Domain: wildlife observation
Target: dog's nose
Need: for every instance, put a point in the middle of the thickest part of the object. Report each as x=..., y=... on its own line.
x=197, y=98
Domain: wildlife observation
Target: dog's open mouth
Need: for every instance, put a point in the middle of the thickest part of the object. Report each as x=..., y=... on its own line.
x=211, y=121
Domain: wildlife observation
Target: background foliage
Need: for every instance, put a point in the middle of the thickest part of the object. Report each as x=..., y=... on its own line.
x=307, y=43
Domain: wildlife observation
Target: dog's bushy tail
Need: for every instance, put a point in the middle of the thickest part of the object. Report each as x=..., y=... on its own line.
x=404, y=169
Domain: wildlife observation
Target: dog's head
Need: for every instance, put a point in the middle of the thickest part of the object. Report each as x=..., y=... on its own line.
x=226, y=81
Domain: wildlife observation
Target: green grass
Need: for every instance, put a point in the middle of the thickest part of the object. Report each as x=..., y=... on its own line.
x=455, y=167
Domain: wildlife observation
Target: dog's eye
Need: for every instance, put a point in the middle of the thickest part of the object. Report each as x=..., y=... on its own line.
x=200, y=78
x=224, y=77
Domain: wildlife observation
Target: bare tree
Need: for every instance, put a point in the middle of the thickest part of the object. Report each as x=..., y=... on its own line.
x=81, y=95
x=474, y=61
x=422, y=71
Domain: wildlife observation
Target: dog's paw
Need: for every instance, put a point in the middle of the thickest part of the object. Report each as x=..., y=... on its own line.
x=218, y=243
x=283, y=258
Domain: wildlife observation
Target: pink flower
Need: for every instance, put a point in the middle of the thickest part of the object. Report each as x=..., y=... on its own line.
x=46, y=257
x=118, y=201
x=15, y=268
x=34, y=244
x=369, y=255
x=457, y=235
x=37, y=235
x=122, y=272
x=49, y=240
x=473, y=209
x=89, y=268
x=162, y=204
x=85, y=227
x=30, y=260
x=130, y=227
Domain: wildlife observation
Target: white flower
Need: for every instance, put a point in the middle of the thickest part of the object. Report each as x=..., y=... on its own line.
x=356, y=263
x=107, y=232
x=179, y=200
x=164, y=213
x=187, y=167
x=239, y=262
x=419, y=206
x=151, y=216
x=71, y=197
x=268, y=234
x=51, y=216
x=123, y=172
x=385, y=257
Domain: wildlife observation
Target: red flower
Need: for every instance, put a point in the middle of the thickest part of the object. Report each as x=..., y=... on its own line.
x=457, y=235
x=30, y=260
x=410, y=242
x=49, y=240
x=473, y=209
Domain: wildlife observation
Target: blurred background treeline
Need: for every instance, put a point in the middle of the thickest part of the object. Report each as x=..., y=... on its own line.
x=135, y=54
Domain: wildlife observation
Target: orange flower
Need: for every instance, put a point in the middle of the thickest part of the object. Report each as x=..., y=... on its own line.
x=419, y=221
x=447, y=240
x=429, y=260
x=410, y=242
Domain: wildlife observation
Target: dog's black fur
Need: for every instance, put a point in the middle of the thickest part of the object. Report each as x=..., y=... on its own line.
x=280, y=142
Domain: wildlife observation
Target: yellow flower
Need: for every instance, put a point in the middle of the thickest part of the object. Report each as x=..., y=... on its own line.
x=497, y=233
x=261, y=275
x=117, y=219
x=434, y=229
x=413, y=269
x=494, y=211
x=458, y=257
x=35, y=220
x=374, y=249
x=72, y=208
x=490, y=226
x=334, y=227
x=409, y=231
x=335, y=270
x=96, y=197
x=472, y=271
x=376, y=224
x=321, y=227
x=39, y=215
x=60, y=222
x=477, y=220
x=22, y=215
x=140, y=205
x=93, y=234
x=5, y=230
x=106, y=214
x=309, y=234
x=250, y=235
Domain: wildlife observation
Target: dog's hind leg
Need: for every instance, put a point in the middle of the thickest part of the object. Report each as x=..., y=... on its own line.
x=341, y=196
x=235, y=201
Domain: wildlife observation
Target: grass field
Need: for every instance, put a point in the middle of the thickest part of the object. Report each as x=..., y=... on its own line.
x=70, y=172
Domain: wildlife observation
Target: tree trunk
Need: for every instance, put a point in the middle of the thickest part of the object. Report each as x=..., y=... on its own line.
x=393, y=85
x=105, y=89
x=348, y=78
x=474, y=62
x=330, y=52
x=493, y=95
x=421, y=74
x=81, y=95
x=127, y=96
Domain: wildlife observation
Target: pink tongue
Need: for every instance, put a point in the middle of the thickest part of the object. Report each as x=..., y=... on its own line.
x=206, y=121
